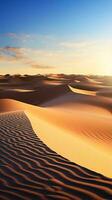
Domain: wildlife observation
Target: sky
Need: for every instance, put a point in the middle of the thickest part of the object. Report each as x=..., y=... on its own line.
x=56, y=36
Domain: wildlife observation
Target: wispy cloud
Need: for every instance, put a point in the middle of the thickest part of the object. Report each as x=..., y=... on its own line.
x=12, y=53
x=67, y=56
x=22, y=37
x=25, y=55
x=77, y=44
x=37, y=66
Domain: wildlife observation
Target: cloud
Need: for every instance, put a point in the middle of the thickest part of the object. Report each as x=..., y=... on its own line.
x=68, y=56
x=12, y=53
x=23, y=38
x=37, y=66
x=78, y=44
x=25, y=55
x=20, y=37
x=2, y=58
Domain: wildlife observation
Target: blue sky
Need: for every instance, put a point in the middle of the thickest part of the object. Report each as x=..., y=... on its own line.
x=62, y=18
x=56, y=27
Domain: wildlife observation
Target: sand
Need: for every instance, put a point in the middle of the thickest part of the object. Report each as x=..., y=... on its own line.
x=70, y=119
x=31, y=170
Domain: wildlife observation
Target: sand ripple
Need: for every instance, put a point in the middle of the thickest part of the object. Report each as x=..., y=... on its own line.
x=30, y=170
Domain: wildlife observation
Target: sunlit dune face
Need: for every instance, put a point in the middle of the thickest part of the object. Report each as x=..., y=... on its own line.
x=18, y=90
x=83, y=137
x=85, y=92
x=76, y=81
x=52, y=83
x=91, y=154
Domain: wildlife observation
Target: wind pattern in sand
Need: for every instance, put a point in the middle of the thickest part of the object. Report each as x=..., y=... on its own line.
x=30, y=170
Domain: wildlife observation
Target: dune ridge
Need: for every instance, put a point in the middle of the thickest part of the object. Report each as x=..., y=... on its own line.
x=29, y=169
x=80, y=91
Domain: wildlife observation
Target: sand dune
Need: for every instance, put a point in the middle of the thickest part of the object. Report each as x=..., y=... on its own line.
x=79, y=91
x=17, y=90
x=89, y=86
x=88, y=80
x=30, y=170
x=40, y=94
x=83, y=131
x=75, y=96
x=72, y=115
x=92, y=90
x=106, y=92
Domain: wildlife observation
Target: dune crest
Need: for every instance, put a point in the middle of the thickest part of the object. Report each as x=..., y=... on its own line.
x=79, y=91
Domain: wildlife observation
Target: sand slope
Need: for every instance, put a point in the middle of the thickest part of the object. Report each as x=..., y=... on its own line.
x=30, y=170
x=83, y=134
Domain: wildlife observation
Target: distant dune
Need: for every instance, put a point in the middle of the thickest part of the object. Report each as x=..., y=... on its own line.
x=37, y=95
x=81, y=91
